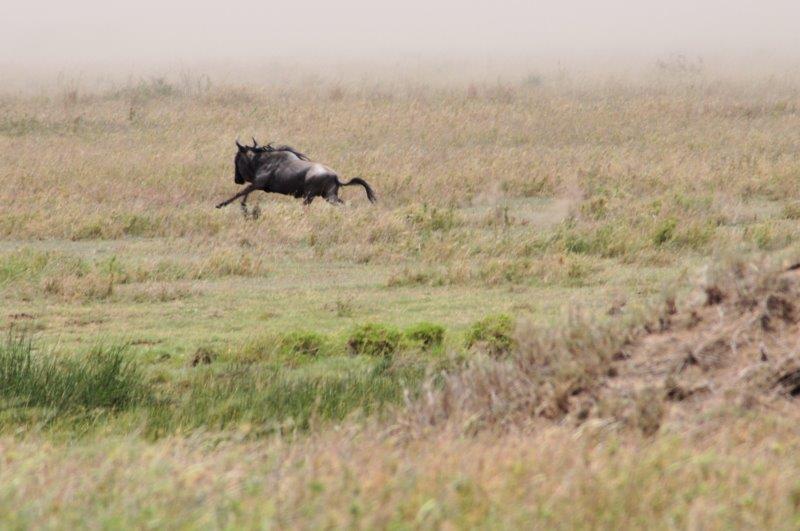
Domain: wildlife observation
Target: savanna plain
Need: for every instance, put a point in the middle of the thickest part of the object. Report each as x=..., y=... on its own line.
x=573, y=306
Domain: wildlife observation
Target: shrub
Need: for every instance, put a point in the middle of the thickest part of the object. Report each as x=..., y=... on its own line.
x=494, y=332
x=374, y=340
x=302, y=343
x=427, y=335
x=291, y=349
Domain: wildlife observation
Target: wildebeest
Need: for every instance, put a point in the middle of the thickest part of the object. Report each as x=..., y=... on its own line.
x=284, y=170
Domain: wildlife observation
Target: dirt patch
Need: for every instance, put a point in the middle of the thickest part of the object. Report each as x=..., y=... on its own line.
x=736, y=347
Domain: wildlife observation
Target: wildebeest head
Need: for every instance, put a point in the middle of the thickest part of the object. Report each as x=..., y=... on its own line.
x=242, y=163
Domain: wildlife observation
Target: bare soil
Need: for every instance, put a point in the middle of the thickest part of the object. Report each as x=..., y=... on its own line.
x=735, y=345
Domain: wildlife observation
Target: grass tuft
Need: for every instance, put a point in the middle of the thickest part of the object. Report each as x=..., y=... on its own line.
x=302, y=343
x=374, y=340
x=493, y=333
x=427, y=335
x=105, y=379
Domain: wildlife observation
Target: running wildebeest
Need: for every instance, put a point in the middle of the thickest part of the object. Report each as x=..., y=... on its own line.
x=283, y=170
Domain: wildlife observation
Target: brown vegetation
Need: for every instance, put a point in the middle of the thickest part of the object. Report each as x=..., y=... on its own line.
x=731, y=344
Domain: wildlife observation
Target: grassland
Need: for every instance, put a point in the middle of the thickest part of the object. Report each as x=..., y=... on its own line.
x=173, y=365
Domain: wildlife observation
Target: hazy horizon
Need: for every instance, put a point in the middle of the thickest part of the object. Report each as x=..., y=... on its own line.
x=43, y=34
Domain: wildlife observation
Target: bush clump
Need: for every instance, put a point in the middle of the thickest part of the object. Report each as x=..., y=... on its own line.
x=302, y=343
x=290, y=348
x=426, y=335
x=374, y=340
x=493, y=332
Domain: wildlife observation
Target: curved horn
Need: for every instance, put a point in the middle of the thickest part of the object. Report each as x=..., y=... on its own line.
x=255, y=143
x=238, y=145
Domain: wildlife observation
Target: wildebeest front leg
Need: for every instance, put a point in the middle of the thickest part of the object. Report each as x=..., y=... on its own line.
x=243, y=206
x=308, y=198
x=245, y=192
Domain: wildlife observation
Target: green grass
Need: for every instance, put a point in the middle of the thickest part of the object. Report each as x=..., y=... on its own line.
x=494, y=333
x=373, y=339
x=105, y=379
x=165, y=311
x=428, y=336
x=107, y=389
x=270, y=398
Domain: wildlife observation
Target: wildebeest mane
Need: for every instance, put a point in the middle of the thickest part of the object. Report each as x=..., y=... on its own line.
x=290, y=149
x=281, y=147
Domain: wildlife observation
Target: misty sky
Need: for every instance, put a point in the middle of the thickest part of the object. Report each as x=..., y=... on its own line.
x=137, y=30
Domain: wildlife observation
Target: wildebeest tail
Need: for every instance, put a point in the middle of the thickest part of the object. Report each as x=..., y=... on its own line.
x=362, y=182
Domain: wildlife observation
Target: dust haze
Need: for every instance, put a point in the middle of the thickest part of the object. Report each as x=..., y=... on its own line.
x=38, y=34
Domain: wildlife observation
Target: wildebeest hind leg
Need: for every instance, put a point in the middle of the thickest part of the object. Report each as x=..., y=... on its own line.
x=333, y=199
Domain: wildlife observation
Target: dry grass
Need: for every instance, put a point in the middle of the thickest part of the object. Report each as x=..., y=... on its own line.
x=640, y=164
x=741, y=474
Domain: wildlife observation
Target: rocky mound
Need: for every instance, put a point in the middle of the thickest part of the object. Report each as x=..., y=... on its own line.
x=738, y=343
